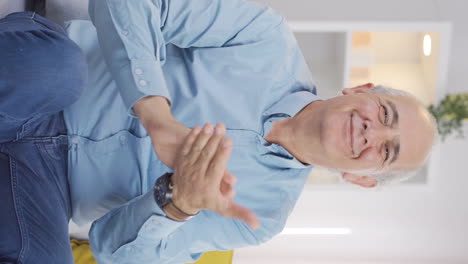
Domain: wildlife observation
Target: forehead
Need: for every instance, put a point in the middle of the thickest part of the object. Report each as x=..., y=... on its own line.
x=415, y=131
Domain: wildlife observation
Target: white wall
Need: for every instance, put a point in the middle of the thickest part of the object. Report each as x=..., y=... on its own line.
x=10, y=6
x=403, y=225
x=455, y=11
x=325, y=59
x=405, y=10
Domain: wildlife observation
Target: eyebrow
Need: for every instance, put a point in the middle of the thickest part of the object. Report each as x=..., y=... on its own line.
x=395, y=114
x=396, y=148
x=396, y=152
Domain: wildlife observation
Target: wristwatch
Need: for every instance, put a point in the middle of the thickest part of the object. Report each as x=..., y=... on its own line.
x=163, y=190
x=163, y=197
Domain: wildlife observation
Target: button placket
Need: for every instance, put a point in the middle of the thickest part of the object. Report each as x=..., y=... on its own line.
x=138, y=71
x=143, y=83
x=75, y=140
x=123, y=139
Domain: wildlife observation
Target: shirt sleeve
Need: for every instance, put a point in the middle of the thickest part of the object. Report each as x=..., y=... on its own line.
x=133, y=35
x=138, y=232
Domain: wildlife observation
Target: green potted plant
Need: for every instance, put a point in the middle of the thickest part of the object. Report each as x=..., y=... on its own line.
x=450, y=114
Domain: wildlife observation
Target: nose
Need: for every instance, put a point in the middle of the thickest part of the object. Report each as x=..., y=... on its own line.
x=375, y=133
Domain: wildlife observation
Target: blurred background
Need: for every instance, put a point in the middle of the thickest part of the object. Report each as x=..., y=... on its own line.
x=416, y=45
x=419, y=46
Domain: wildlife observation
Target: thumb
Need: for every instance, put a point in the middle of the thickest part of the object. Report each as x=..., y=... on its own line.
x=233, y=210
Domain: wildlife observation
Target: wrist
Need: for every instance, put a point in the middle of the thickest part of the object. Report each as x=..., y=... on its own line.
x=164, y=195
x=153, y=111
x=182, y=206
x=176, y=214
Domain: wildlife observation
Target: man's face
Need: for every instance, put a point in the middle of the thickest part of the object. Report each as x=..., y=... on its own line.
x=365, y=132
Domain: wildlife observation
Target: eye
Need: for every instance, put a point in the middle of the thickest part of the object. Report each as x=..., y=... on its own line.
x=387, y=152
x=385, y=114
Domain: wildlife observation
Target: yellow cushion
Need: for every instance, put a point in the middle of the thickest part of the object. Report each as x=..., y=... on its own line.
x=83, y=255
x=216, y=257
x=81, y=252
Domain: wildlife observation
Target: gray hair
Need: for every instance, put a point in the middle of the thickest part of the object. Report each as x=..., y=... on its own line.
x=388, y=178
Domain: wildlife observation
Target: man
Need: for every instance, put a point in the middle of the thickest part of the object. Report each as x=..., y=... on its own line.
x=233, y=62
x=213, y=61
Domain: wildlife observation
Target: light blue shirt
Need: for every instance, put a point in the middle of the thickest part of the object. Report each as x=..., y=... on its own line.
x=225, y=61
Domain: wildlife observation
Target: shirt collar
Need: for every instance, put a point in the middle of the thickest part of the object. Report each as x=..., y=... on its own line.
x=289, y=106
x=277, y=156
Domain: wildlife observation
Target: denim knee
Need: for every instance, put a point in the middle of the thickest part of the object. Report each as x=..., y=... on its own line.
x=73, y=68
x=66, y=64
x=46, y=72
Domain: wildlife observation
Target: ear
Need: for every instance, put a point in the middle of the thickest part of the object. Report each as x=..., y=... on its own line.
x=364, y=88
x=363, y=181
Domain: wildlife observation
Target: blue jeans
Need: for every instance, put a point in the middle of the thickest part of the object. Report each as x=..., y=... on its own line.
x=41, y=72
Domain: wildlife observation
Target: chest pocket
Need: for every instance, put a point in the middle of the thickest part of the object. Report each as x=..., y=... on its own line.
x=107, y=173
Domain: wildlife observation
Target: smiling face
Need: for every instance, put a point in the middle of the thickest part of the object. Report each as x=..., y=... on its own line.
x=367, y=133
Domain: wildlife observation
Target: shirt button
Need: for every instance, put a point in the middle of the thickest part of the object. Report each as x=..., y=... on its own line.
x=143, y=83
x=138, y=71
x=125, y=32
x=75, y=140
x=122, y=138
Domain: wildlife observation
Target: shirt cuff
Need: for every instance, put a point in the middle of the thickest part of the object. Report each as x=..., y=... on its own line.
x=147, y=79
x=157, y=224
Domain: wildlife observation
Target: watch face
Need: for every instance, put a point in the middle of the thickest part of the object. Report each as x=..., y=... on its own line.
x=162, y=191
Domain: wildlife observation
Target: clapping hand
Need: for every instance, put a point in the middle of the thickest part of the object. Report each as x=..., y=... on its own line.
x=201, y=180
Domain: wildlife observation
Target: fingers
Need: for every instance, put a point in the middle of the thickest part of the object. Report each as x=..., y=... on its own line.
x=218, y=164
x=200, y=142
x=234, y=210
x=211, y=146
x=187, y=146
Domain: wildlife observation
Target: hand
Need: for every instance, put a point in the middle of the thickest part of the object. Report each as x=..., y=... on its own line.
x=167, y=138
x=200, y=178
x=167, y=134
